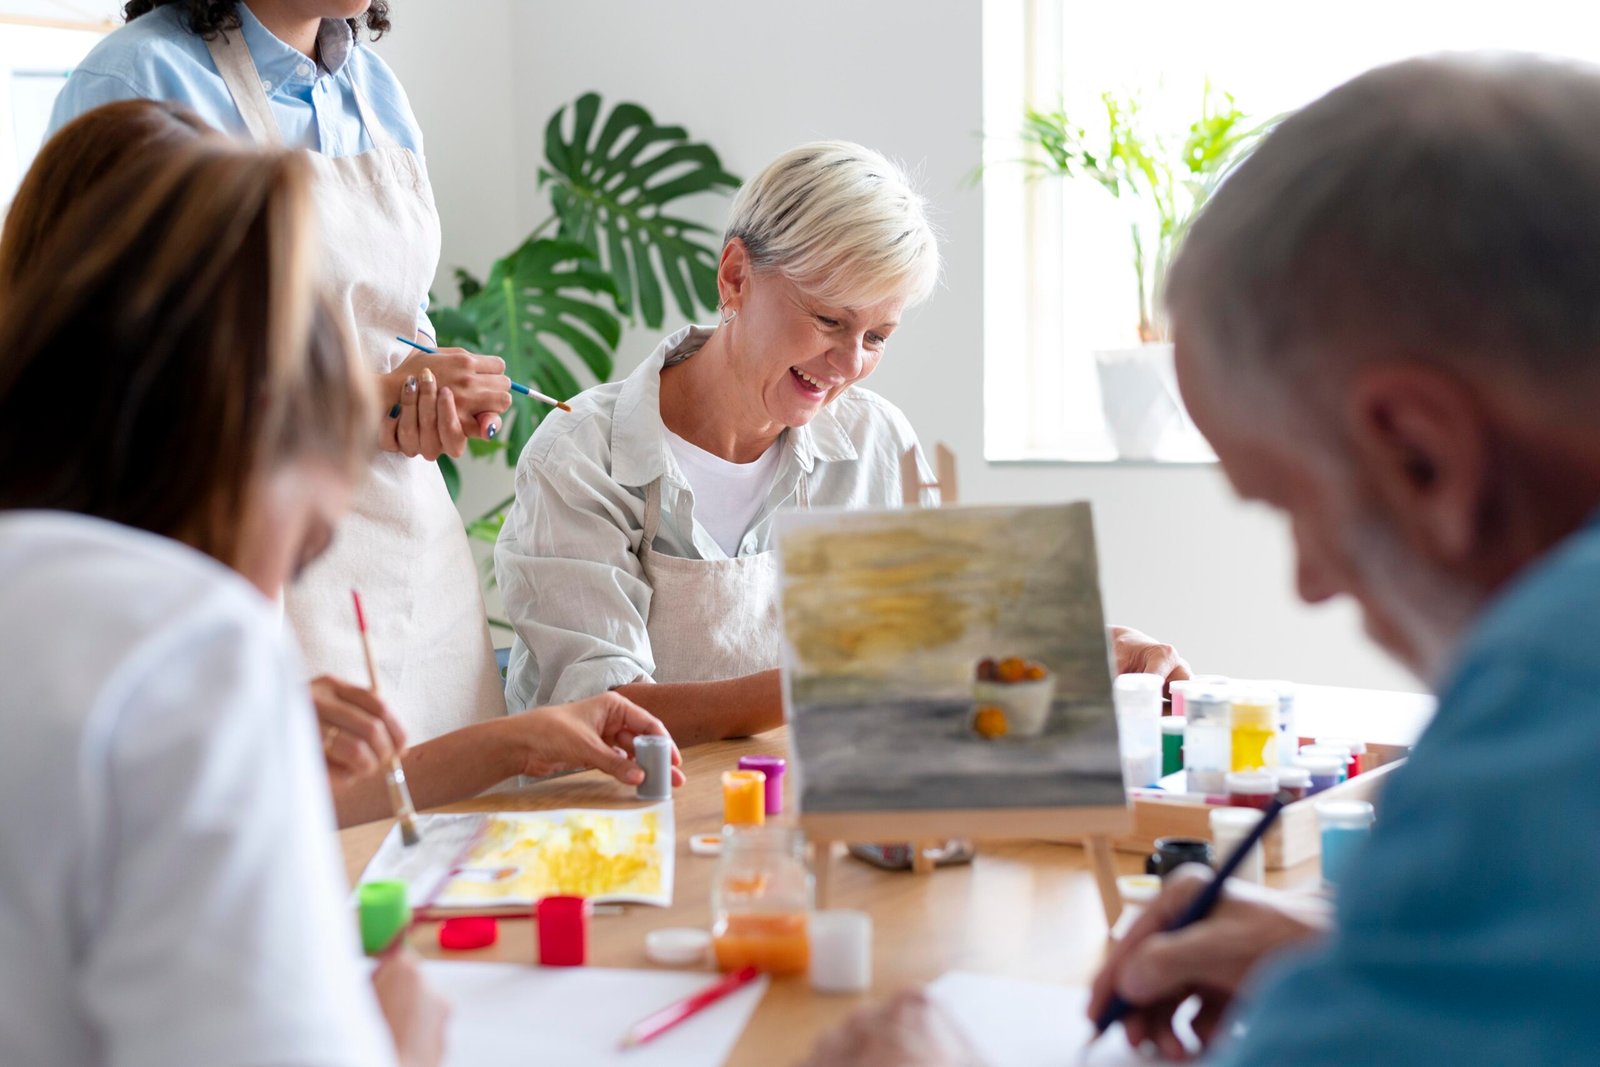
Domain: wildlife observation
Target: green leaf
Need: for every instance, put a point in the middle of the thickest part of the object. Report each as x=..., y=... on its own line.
x=466, y=282
x=454, y=328
x=611, y=190
x=452, y=476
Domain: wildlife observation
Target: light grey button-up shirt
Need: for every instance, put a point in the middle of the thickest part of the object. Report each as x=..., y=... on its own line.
x=567, y=559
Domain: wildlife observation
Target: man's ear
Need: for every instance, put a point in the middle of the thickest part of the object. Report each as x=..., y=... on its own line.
x=1419, y=439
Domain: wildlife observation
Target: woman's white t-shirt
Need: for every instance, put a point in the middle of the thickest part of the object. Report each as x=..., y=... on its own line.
x=727, y=496
x=170, y=889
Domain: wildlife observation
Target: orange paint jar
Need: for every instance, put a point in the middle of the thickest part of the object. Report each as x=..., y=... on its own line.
x=744, y=798
x=772, y=943
x=761, y=900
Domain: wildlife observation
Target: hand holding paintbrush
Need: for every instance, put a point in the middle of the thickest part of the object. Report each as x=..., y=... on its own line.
x=395, y=775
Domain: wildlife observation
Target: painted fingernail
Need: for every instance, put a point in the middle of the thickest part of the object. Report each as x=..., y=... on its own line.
x=411, y=384
x=494, y=428
x=394, y=412
x=427, y=375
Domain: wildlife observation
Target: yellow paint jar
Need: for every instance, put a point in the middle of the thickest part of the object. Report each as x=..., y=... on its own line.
x=744, y=798
x=1252, y=722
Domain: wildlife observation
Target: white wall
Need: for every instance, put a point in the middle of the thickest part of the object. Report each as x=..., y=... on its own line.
x=1180, y=557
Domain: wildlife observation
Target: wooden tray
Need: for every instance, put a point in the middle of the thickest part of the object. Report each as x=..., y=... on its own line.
x=1291, y=842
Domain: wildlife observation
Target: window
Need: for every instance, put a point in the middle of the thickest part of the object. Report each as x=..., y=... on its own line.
x=1059, y=280
x=36, y=55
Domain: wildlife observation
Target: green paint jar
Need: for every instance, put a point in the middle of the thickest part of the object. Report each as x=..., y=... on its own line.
x=385, y=914
x=1172, y=744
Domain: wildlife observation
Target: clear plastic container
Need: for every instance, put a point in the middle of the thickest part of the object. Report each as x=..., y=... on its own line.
x=1206, y=740
x=1138, y=702
x=761, y=899
x=1288, y=726
x=1229, y=827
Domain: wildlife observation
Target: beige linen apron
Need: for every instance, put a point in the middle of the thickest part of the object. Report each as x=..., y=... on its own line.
x=710, y=619
x=402, y=544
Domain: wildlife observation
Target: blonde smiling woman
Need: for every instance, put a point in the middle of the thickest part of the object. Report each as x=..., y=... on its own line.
x=639, y=553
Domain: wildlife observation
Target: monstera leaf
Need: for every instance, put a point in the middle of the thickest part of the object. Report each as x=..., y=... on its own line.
x=611, y=186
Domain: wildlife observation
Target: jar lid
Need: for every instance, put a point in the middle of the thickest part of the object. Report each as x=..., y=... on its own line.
x=1294, y=777
x=1345, y=814
x=468, y=932
x=1323, y=766
x=1138, y=683
x=1350, y=743
x=677, y=946
x=1251, y=782
x=1234, y=819
x=1138, y=888
x=1173, y=724
x=706, y=844
x=771, y=766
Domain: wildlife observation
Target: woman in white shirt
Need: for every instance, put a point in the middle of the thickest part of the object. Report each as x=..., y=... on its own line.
x=170, y=892
x=638, y=556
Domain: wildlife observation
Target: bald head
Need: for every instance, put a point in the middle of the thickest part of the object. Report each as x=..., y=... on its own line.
x=1443, y=209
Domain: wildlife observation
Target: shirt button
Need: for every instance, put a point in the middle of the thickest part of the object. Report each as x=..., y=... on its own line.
x=305, y=70
x=266, y=86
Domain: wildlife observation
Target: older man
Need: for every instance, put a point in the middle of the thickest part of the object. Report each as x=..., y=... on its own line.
x=1388, y=326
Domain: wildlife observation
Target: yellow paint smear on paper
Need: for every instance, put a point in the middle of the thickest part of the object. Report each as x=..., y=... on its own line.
x=582, y=854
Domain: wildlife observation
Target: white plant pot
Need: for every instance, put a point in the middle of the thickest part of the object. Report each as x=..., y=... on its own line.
x=1139, y=395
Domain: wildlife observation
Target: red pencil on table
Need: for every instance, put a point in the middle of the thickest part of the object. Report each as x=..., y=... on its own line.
x=654, y=1025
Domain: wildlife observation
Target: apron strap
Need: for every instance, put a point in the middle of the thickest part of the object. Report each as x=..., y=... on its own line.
x=238, y=70
x=652, y=516
x=381, y=137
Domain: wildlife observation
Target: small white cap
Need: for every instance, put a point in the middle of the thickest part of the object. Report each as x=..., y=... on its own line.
x=1235, y=820
x=1251, y=783
x=1138, y=683
x=677, y=946
x=1345, y=814
x=1323, y=766
x=1173, y=724
x=1138, y=888
x=1296, y=777
x=705, y=845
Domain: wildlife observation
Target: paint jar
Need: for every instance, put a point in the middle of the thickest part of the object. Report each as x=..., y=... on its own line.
x=744, y=798
x=1358, y=749
x=1294, y=783
x=1138, y=702
x=1207, y=744
x=1172, y=727
x=1136, y=891
x=1253, y=726
x=841, y=951
x=653, y=753
x=761, y=900
x=1288, y=737
x=1324, y=772
x=384, y=908
x=1339, y=752
x=773, y=767
x=1173, y=852
x=563, y=924
x=1252, y=789
x=1229, y=827
x=1180, y=694
x=1345, y=824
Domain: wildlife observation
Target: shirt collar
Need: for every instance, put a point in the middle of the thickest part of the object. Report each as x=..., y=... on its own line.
x=279, y=63
x=639, y=438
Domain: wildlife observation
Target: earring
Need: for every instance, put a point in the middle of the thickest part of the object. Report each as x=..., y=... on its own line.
x=729, y=314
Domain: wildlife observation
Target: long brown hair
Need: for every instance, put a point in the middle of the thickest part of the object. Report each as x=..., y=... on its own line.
x=211, y=17
x=162, y=347
x=96, y=145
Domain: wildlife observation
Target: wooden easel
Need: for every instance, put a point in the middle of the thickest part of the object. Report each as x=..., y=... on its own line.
x=1096, y=826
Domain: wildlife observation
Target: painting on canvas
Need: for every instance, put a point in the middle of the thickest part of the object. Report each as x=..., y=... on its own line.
x=947, y=658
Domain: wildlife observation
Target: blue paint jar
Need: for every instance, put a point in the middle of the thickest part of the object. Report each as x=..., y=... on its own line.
x=1345, y=825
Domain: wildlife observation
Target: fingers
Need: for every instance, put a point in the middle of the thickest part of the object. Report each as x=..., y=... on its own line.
x=428, y=415
x=488, y=424
x=389, y=430
x=407, y=434
x=1180, y=888
x=452, y=438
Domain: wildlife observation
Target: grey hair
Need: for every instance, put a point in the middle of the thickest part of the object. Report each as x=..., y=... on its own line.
x=840, y=221
x=1444, y=209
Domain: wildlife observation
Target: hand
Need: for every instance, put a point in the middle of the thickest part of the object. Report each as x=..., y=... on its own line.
x=478, y=385
x=359, y=735
x=597, y=732
x=907, y=1029
x=416, y=1014
x=1139, y=653
x=1156, y=971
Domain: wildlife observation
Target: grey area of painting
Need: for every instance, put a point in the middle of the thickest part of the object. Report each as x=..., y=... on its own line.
x=886, y=615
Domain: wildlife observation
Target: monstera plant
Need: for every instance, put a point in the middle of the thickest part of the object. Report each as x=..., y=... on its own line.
x=555, y=308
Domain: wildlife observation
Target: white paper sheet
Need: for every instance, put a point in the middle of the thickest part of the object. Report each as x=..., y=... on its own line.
x=504, y=1013
x=423, y=867
x=1013, y=1023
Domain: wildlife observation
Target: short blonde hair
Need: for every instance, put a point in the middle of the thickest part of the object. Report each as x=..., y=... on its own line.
x=841, y=222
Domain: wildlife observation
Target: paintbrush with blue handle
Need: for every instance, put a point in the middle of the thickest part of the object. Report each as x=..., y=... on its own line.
x=516, y=387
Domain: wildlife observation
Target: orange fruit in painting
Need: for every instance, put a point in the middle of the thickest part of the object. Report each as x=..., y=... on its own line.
x=986, y=668
x=1011, y=669
x=990, y=721
x=1035, y=673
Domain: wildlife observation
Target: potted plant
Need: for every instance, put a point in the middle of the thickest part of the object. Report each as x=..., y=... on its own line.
x=1168, y=179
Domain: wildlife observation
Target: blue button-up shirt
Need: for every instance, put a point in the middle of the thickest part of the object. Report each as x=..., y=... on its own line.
x=156, y=57
x=1469, y=931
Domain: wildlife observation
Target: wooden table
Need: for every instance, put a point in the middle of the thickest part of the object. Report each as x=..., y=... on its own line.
x=1025, y=909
